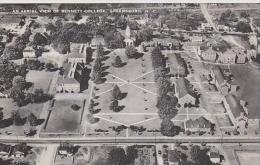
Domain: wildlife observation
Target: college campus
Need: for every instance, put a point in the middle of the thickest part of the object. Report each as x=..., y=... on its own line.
x=130, y=84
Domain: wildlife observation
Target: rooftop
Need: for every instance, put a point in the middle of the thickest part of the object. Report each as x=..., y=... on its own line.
x=200, y=122
x=234, y=105
x=183, y=87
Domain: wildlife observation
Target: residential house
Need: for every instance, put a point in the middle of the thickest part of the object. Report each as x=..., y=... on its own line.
x=228, y=57
x=184, y=92
x=5, y=150
x=20, y=150
x=196, y=39
x=176, y=64
x=209, y=55
x=199, y=124
x=3, y=38
x=65, y=150
x=29, y=52
x=167, y=43
x=223, y=28
x=96, y=41
x=206, y=27
x=214, y=156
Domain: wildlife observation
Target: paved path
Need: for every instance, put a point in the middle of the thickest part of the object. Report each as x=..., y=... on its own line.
x=48, y=154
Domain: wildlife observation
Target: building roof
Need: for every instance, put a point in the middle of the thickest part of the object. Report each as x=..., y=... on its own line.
x=234, y=105
x=214, y=154
x=98, y=40
x=219, y=74
x=200, y=122
x=78, y=50
x=183, y=87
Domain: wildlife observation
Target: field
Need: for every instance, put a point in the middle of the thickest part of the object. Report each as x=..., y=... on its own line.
x=243, y=76
x=136, y=82
x=8, y=106
x=245, y=157
x=40, y=79
x=63, y=118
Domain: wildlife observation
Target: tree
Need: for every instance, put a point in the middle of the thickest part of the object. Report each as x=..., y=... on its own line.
x=91, y=119
x=49, y=66
x=16, y=118
x=89, y=53
x=168, y=128
x=40, y=40
x=243, y=27
x=157, y=58
x=164, y=86
x=114, y=106
x=131, y=154
x=32, y=119
x=18, y=96
x=167, y=106
x=130, y=51
x=19, y=82
x=117, y=156
x=116, y=93
x=1, y=115
x=77, y=17
x=100, y=51
x=118, y=62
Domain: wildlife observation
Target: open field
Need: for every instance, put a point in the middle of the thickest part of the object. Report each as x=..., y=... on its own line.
x=245, y=157
x=63, y=118
x=8, y=106
x=40, y=79
x=243, y=76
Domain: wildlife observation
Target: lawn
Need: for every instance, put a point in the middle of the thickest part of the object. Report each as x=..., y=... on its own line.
x=136, y=101
x=40, y=79
x=8, y=106
x=245, y=157
x=64, y=119
x=248, y=79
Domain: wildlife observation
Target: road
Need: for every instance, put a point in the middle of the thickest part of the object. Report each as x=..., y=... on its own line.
x=205, y=12
x=47, y=156
x=135, y=140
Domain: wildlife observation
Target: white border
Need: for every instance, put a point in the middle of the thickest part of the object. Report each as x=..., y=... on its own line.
x=126, y=1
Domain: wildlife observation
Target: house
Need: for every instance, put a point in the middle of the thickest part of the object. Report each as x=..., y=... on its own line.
x=20, y=150
x=129, y=37
x=29, y=52
x=65, y=150
x=209, y=55
x=70, y=81
x=167, y=43
x=5, y=150
x=77, y=53
x=221, y=81
x=176, y=64
x=239, y=114
x=214, y=156
x=228, y=57
x=196, y=39
x=223, y=28
x=3, y=38
x=206, y=27
x=184, y=92
x=174, y=157
x=199, y=124
x=96, y=41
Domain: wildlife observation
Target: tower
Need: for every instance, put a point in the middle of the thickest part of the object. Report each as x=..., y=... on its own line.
x=128, y=32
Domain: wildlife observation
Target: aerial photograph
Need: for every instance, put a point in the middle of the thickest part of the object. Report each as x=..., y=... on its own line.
x=130, y=84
